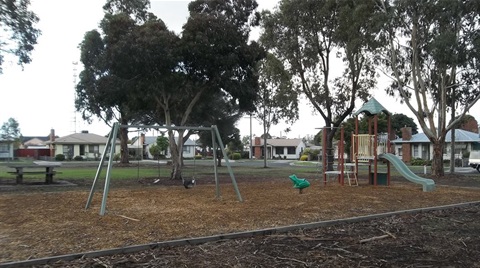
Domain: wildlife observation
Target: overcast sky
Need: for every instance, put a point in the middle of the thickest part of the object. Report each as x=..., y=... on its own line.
x=41, y=96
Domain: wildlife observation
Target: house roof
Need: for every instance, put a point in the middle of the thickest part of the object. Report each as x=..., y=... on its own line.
x=372, y=107
x=281, y=142
x=24, y=139
x=460, y=136
x=35, y=141
x=82, y=138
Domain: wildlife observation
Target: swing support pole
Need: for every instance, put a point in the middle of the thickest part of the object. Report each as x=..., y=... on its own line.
x=111, y=144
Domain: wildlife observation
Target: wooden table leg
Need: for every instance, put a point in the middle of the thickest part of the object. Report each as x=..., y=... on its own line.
x=19, y=175
x=48, y=175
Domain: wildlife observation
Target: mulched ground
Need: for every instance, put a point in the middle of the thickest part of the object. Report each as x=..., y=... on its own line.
x=40, y=223
x=446, y=238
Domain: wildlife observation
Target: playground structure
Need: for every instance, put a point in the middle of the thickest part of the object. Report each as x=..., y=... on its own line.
x=110, y=150
x=368, y=149
x=328, y=157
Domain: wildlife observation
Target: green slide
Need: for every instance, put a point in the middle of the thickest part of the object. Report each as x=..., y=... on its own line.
x=428, y=184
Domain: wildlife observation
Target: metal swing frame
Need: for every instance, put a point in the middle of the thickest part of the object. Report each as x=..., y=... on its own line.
x=110, y=145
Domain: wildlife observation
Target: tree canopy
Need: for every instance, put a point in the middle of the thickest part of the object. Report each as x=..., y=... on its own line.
x=277, y=99
x=308, y=36
x=138, y=70
x=10, y=130
x=20, y=34
x=431, y=57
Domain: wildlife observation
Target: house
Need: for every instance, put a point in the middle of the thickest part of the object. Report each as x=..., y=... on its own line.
x=87, y=145
x=278, y=148
x=419, y=146
x=141, y=145
x=34, y=142
x=37, y=147
x=6, y=149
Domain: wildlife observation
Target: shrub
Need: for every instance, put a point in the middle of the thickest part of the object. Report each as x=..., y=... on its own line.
x=198, y=156
x=419, y=162
x=60, y=157
x=116, y=157
x=312, y=154
x=236, y=156
x=78, y=158
x=304, y=157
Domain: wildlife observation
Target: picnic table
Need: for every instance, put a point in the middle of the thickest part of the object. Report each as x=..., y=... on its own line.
x=35, y=168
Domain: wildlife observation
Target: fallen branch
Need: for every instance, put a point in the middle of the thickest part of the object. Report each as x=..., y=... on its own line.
x=128, y=218
x=291, y=259
x=373, y=238
x=388, y=233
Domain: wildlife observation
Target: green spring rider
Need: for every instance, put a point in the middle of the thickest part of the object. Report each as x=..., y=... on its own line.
x=299, y=184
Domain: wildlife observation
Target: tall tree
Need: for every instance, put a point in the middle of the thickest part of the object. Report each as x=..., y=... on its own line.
x=277, y=99
x=137, y=9
x=309, y=35
x=216, y=61
x=10, y=130
x=108, y=87
x=432, y=57
x=18, y=25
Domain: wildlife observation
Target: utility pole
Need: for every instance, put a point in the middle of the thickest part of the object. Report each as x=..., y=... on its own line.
x=75, y=63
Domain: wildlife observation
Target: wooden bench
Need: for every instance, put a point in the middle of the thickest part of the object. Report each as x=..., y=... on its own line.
x=48, y=171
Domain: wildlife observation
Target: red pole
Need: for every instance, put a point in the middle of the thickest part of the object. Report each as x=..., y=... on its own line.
x=341, y=160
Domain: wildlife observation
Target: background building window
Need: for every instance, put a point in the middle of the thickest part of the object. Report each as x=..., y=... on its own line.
x=415, y=151
x=4, y=148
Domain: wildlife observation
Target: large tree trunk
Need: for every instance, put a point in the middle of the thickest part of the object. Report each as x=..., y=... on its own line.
x=176, y=173
x=176, y=149
x=123, y=132
x=437, y=160
x=330, y=150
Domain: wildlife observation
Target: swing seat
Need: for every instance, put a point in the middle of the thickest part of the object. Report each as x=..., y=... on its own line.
x=189, y=183
x=299, y=183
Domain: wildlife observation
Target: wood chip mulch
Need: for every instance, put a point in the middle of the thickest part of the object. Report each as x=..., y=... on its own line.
x=36, y=224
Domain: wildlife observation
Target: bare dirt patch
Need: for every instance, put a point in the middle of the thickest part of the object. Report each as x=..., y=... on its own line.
x=35, y=224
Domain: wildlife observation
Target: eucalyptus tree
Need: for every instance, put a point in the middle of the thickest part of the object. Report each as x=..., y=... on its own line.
x=212, y=60
x=10, y=130
x=432, y=56
x=277, y=99
x=327, y=46
x=108, y=84
x=19, y=31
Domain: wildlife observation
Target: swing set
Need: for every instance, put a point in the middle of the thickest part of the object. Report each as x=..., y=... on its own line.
x=110, y=150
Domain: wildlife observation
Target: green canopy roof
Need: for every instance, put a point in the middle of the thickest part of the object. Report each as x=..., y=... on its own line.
x=372, y=107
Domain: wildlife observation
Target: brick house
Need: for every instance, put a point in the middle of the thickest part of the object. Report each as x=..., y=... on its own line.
x=410, y=146
x=278, y=148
